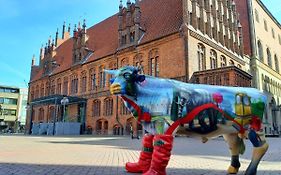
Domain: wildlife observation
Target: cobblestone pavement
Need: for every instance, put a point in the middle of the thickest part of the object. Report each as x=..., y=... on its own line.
x=94, y=155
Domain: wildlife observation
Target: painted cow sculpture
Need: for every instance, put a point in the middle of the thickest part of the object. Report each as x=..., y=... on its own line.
x=166, y=107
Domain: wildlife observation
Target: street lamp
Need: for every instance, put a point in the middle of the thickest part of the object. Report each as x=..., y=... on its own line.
x=64, y=102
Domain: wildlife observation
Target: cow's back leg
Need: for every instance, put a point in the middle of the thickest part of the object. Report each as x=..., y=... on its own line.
x=234, y=146
x=260, y=148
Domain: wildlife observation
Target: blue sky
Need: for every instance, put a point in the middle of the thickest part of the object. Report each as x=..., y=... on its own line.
x=27, y=24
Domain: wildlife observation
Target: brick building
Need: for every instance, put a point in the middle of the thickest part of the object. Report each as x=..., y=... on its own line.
x=262, y=41
x=167, y=38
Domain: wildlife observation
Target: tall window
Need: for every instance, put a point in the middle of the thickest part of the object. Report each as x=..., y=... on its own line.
x=41, y=114
x=58, y=86
x=96, y=108
x=273, y=33
x=108, y=106
x=269, y=61
x=102, y=77
x=257, y=15
x=42, y=90
x=65, y=86
x=223, y=61
x=276, y=64
x=124, y=110
x=138, y=61
x=74, y=84
x=153, y=62
x=83, y=81
x=279, y=39
x=265, y=25
x=213, y=59
x=93, y=79
x=260, y=50
x=201, y=57
x=53, y=87
x=37, y=91
x=47, y=89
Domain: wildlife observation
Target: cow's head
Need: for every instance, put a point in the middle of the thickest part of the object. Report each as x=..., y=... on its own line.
x=125, y=80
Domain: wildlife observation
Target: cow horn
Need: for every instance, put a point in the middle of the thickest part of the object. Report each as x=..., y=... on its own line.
x=111, y=72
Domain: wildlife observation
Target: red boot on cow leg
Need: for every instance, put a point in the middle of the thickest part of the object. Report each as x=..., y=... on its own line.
x=163, y=145
x=145, y=156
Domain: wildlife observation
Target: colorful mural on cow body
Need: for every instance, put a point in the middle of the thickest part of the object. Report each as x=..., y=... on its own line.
x=164, y=105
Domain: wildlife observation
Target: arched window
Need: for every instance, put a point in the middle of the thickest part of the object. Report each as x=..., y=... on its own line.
x=153, y=61
x=58, y=86
x=124, y=110
x=96, y=108
x=65, y=86
x=93, y=79
x=223, y=61
x=53, y=87
x=231, y=62
x=37, y=91
x=257, y=15
x=138, y=61
x=124, y=62
x=213, y=59
x=42, y=90
x=269, y=61
x=83, y=81
x=201, y=57
x=239, y=66
x=276, y=64
x=102, y=77
x=74, y=84
x=260, y=50
x=41, y=115
x=108, y=106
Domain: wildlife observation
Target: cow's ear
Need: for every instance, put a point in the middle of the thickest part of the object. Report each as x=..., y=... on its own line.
x=140, y=78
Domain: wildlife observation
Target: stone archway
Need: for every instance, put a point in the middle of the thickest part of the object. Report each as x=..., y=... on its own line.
x=117, y=130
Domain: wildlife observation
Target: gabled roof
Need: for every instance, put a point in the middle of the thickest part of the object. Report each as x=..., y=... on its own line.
x=159, y=18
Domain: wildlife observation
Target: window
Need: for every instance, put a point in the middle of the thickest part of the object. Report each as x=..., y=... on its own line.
x=83, y=81
x=102, y=77
x=74, y=84
x=41, y=114
x=124, y=62
x=257, y=15
x=231, y=62
x=47, y=89
x=138, y=61
x=260, y=50
x=124, y=110
x=276, y=64
x=58, y=86
x=65, y=86
x=108, y=106
x=201, y=57
x=239, y=66
x=213, y=59
x=8, y=101
x=53, y=87
x=273, y=33
x=269, y=61
x=279, y=39
x=37, y=91
x=223, y=61
x=265, y=25
x=132, y=37
x=153, y=62
x=93, y=79
x=42, y=90
x=96, y=108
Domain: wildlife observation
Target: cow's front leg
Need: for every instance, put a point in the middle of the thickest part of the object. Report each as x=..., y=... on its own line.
x=163, y=144
x=234, y=144
x=260, y=148
x=144, y=161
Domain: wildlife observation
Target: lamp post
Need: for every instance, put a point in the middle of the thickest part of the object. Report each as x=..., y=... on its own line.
x=64, y=102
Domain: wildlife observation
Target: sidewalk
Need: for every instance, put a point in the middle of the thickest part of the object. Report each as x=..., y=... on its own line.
x=88, y=155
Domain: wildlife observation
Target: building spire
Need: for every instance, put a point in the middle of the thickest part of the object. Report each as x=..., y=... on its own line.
x=128, y=4
x=120, y=5
x=84, y=24
x=41, y=52
x=137, y=3
x=68, y=30
x=33, y=60
x=63, y=30
x=57, y=35
x=49, y=41
x=79, y=26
